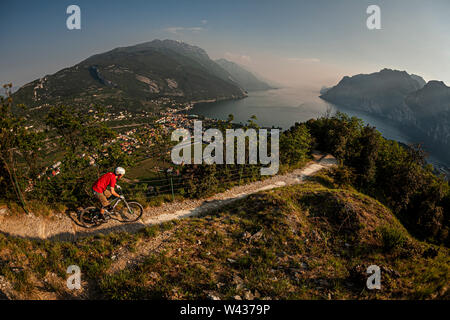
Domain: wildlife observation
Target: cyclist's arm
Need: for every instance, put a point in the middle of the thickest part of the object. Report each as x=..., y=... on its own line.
x=114, y=193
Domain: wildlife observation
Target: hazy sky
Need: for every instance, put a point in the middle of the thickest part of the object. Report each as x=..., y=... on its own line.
x=291, y=42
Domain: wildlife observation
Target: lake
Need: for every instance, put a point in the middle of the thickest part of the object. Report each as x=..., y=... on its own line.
x=283, y=107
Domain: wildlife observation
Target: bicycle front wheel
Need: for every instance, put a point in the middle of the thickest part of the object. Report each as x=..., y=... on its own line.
x=130, y=213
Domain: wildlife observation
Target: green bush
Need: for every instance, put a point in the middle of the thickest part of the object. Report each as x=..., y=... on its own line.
x=343, y=176
x=295, y=144
x=391, y=238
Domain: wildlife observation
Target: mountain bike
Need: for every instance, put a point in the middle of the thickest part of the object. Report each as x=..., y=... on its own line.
x=119, y=209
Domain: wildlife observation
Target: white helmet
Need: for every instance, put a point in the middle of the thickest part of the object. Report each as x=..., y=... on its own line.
x=120, y=171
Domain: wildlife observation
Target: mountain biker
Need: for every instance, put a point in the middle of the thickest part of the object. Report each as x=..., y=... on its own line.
x=100, y=191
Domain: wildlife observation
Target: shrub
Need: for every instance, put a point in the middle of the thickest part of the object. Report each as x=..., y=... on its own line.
x=343, y=176
x=295, y=144
x=391, y=238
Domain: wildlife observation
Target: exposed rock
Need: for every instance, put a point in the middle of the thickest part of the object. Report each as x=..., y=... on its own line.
x=257, y=235
x=245, y=235
x=5, y=289
x=237, y=280
x=248, y=295
x=212, y=295
x=4, y=211
x=152, y=85
x=172, y=83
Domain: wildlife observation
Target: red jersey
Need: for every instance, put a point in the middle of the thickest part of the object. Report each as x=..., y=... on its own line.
x=108, y=179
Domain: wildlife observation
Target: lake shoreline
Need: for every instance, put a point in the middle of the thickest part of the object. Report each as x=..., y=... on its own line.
x=283, y=107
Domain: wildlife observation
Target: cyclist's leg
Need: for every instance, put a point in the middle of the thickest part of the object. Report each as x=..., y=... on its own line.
x=107, y=194
x=103, y=201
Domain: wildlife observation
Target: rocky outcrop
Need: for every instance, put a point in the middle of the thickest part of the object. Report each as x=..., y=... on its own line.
x=404, y=98
x=431, y=107
x=382, y=93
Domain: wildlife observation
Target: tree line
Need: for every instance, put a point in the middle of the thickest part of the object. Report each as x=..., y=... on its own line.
x=395, y=174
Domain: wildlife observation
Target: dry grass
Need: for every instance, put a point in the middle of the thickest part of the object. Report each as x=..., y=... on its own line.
x=306, y=241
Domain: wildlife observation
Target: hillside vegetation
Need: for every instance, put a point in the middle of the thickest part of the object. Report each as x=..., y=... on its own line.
x=383, y=205
x=396, y=175
x=310, y=241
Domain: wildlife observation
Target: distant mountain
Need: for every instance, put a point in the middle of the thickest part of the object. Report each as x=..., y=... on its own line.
x=432, y=99
x=419, y=79
x=195, y=53
x=431, y=108
x=133, y=78
x=244, y=78
x=422, y=107
x=324, y=89
x=381, y=92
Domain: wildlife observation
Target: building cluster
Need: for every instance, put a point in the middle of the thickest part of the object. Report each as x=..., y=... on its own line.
x=140, y=137
x=112, y=116
x=128, y=143
x=174, y=121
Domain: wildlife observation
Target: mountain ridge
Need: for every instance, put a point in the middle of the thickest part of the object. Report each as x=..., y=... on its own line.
x=242, y=76
x=403, y=98
x=140, y=77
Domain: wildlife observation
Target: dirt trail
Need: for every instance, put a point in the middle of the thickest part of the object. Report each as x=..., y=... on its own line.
x=64, y=227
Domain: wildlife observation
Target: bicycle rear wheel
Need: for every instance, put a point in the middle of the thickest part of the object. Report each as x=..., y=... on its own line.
x=131, y=213
x=89, y=217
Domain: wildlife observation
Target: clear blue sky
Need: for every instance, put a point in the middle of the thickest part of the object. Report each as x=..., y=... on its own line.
x=293, y=42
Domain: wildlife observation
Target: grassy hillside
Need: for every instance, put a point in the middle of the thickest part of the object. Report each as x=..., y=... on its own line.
x=310, y=241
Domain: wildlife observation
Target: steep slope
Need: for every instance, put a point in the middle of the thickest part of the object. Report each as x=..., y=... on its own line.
x=243, y=77
x=419, y=79
x=431, y=107
x=381, y=92
x=431, y=100
x=133, y=78
x=195, y=53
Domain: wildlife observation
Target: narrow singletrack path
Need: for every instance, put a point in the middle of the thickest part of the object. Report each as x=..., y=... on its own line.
x=64, y=227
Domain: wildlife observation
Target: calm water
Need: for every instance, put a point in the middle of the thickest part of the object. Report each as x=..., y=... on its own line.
x=283, y=107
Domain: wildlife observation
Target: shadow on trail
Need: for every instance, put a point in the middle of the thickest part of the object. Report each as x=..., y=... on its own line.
x=90, y=232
